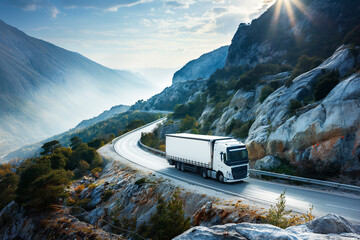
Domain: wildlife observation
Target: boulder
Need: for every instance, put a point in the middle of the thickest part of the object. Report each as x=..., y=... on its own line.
x=213, y=233
x=267, y=163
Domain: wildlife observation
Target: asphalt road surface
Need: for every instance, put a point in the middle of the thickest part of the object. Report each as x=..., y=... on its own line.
x=297, y=198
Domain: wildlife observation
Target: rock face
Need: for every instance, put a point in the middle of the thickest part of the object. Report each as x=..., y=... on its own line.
x=288, y=41
x=202, y=67
x=328, y=227
x=326, y=132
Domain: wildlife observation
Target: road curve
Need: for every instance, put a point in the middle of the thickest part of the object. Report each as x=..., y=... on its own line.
x=297, y=198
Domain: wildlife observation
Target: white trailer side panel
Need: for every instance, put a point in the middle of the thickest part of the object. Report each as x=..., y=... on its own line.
x=191, y=149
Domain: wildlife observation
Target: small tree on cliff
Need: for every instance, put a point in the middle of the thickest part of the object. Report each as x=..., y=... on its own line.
x=169, y=220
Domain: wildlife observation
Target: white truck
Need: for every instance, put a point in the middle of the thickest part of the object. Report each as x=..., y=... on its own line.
x=221, y=158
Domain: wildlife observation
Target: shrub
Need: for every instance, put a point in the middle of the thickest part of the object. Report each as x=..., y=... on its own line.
x=305, y=63
x=325, y=84
x=8, y=184
x=188, y=123
x=294, y=104
x=141, y=181
x=278, y=216
x=95, y=172
x=168, y=216
x=239, y=129
x=265, y=92
x=107, y=195
x=79, y=189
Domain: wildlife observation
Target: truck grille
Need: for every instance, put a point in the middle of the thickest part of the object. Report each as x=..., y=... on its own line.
x=239, y=172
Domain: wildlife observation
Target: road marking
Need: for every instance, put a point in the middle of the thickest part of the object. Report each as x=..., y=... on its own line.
x=352, y=209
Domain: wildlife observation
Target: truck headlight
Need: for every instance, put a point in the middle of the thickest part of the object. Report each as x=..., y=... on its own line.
x=229, y=175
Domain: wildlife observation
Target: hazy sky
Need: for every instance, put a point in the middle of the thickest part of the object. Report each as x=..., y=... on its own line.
x=133, y=34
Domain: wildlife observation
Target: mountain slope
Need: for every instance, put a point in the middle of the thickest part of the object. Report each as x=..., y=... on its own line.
x=186, y=82
x=318, y=29
x=103, y=116
x=45, y=89
x=203, y=66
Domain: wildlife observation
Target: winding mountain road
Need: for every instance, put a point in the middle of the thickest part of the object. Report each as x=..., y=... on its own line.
x=297, y=198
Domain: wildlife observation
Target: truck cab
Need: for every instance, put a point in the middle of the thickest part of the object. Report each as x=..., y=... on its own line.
x=230, y=161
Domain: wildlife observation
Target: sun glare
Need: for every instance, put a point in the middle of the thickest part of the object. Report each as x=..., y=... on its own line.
x=288, y=5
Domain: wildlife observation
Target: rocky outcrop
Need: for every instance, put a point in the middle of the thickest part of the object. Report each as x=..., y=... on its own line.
x=203, y=67
x=328, y=227
x=55, y=223
x=328, y=131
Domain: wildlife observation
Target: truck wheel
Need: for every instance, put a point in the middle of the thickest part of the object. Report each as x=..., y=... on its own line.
x=204, y=173
x=182, y=167
x=177, y=165
x=220, y=177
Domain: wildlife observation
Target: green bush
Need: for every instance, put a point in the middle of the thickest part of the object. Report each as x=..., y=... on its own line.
x=325, y=84
x=278, y=216
x=168, y=221
x=239, y=128
x=152, y=140
x=294, y=104
x=265, y=92
x=8, y=184
x=107, y=195
x=188, y=123
x=305, y=64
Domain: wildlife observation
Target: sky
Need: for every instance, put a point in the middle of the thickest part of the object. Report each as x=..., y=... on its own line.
x=133, y=34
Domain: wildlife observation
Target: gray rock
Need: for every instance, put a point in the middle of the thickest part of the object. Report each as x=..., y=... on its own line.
x=213, y=233
x=267, y=163
x=167, y=129
x=96, y=195
x=329, y=227
x=331, y=223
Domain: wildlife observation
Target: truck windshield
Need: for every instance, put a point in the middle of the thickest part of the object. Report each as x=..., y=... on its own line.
x=237, y=156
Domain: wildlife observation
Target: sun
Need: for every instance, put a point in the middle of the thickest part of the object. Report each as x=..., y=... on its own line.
x=289, y=5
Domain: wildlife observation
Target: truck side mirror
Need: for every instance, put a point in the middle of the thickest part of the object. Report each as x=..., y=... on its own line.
x=221, y=156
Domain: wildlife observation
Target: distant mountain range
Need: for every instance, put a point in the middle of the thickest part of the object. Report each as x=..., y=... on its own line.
x=45, y=89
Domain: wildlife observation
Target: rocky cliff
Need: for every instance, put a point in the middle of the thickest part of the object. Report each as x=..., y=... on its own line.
x=324, y=132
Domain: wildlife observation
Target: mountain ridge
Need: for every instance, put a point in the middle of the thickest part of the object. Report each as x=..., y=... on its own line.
x=52, y=89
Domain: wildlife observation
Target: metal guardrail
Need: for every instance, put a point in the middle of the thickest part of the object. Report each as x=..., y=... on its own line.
x=276, y=175
x=153, y=150
x=306, y=180
x=136, y=129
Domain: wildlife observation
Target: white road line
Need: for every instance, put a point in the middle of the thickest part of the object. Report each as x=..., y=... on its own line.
x=352, y=209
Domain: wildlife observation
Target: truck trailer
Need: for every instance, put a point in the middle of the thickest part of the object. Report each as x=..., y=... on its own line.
x=221, y=158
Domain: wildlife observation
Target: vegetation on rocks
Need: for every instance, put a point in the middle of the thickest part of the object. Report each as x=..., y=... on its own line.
x=280, y=217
